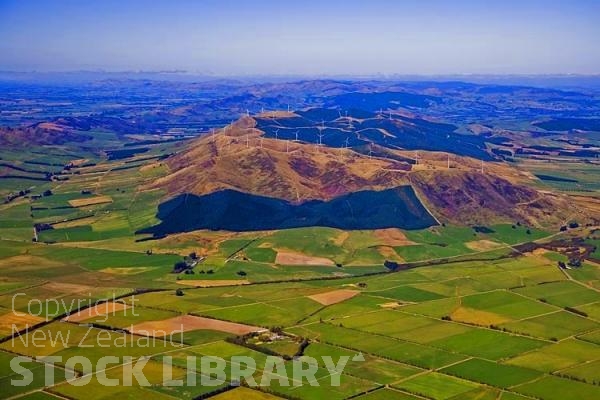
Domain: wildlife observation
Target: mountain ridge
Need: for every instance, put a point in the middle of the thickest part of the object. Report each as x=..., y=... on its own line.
x=455, y=189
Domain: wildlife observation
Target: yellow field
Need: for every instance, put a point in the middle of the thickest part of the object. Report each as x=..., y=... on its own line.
x=243, y=393
x=393, y=237
x=127, y=270
x=482, y=245
x=78, y=222
x=187, y=323
x=90, y=201
x=292, y=258
x=333, y=297
x=11, y=322
x=477, y=317
x=389, y=253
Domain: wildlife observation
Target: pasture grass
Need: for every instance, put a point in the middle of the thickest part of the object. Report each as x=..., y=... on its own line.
x=506, y=304
x=488, y=344
x=562, y=294
x=387, y=394
x=374, y=369
x=557, y=325
x=555, y=388
x=491, y=373
x=436, y=386
x=557, y=356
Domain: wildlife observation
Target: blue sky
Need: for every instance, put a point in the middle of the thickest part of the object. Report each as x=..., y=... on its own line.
x=229, y=37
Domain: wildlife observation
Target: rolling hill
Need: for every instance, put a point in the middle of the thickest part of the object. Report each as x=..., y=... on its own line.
x=291, y=171
x=41, y=134
x=239, y=165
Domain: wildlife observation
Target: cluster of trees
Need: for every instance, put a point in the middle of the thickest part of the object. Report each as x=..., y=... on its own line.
x=13, y=196
x=574, y=262
x=245, y=340
x=186, y=265
x=40, y=226
x=394, y=266
x=572, y=225
x=514, y=226
x=180, y=266
x=391, y=265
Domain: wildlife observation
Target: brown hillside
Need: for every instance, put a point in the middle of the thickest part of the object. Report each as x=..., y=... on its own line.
x=43, y=134
x=234, y=159
x=470, y=197
x=239, y=158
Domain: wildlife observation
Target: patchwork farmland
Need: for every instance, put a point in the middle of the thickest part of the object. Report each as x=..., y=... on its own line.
x=467, y=267
x=509, y=328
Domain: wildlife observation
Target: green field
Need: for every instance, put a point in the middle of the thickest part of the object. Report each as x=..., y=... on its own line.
x=436, y=386
x=490, y=373
x=396, y=323
x=557, y=325
x=464, y=322
x=555, y=357
x=554, y=388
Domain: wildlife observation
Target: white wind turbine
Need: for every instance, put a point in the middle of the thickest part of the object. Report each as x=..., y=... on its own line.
x=321, y=128
x=349, y=120
x=448, y=137
x=320, y=135
x=341, y=154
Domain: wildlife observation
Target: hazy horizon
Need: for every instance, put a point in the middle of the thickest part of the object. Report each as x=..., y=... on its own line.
x=335, y=38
